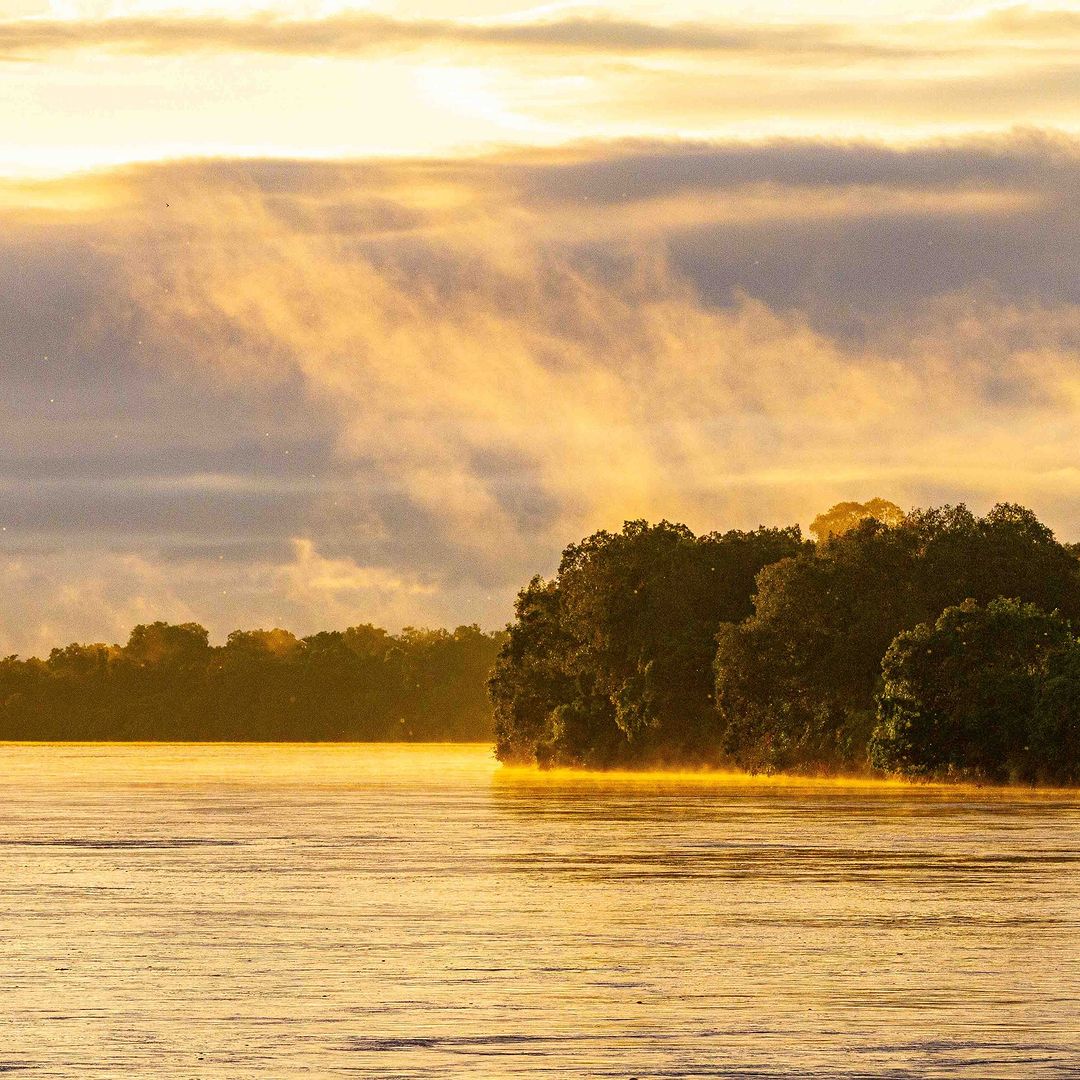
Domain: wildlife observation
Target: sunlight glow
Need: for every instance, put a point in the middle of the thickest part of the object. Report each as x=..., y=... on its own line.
x=127, y=80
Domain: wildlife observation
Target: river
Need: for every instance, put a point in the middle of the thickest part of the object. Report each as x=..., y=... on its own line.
x=417, y=911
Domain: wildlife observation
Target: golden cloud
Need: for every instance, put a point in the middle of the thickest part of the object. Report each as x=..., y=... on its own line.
x=619, y=394
x=518, y=350
x=352, y=33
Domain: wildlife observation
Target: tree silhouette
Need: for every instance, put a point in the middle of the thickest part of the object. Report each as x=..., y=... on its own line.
x=982, y=693
x=168, y=682
x=609, y=662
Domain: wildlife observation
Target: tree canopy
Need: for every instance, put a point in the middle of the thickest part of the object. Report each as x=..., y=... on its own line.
x=611, y=661
x=764, y=651
x=845, y=516
x=168, y=682
x=982, y=692
x=796, y=682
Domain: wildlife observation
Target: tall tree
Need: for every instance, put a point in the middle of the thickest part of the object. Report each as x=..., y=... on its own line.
x=968, y=696
x=795, y=683
x=611, y=662
x=845, y=516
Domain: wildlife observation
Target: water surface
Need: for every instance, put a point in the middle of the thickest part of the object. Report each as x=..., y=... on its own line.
x=397, y=911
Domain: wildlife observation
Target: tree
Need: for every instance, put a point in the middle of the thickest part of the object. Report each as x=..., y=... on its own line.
x=611, y=662
x=444, y=673
x=347, y=687
x=845, y=516
x=161, y=643
x=262, y=643
x=796, y=682
x=1055, y=731
x=967, y=696
x=167, y=682
x=527, y=682
x=255, y=686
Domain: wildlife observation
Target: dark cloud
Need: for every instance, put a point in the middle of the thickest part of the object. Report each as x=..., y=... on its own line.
x=861, y=258
x=651, y=169
x=588, y=173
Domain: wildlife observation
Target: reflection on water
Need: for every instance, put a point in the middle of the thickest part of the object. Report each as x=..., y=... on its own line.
x=202, y=911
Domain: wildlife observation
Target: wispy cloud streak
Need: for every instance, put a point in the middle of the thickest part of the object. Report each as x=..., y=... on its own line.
x=358, y=33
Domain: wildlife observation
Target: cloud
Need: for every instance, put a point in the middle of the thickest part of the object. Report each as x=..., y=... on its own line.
x=616, y=390
x=51, y=600
x=260, y=83
x=313, y=576
x=785, y=98
x=634, y=170
x=352, y=33
x=359, y=33
x=393, y=390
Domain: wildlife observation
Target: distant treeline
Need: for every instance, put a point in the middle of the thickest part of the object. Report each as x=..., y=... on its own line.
x=168, y=682
x=932, y=644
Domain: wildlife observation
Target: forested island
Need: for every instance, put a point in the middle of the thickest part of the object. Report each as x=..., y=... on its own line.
x=168, y=683
x=934, y=644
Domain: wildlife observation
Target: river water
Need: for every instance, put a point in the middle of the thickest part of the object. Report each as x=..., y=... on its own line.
x=417, y=911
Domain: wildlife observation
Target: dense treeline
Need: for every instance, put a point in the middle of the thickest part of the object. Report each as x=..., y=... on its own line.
x=168, y=682
x=612, y=661
x=933, y=644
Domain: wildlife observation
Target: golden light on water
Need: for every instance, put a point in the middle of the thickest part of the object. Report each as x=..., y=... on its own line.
x=360, y=765
x=361, y=910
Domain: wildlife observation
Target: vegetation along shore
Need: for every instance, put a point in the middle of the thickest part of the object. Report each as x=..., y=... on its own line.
x=934, y=644
x=167, y=682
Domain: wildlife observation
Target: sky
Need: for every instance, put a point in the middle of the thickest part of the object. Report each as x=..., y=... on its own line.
x=320, y=313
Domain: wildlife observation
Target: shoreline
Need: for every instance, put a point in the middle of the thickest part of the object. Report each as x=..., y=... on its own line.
x=719, y=777
x=703, y=777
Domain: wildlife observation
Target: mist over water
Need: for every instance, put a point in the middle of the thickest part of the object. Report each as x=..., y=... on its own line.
x=418, y=911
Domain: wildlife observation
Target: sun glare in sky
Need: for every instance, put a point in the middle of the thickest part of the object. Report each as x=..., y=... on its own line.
x=95, y=83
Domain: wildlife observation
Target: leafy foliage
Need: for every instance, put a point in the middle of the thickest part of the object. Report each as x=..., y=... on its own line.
x=764, y=651
x=611, y=662
x=845, y=516
x=167, y=682
x=796, y=682
x=529, y=681
x=986, y=692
